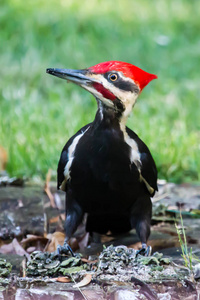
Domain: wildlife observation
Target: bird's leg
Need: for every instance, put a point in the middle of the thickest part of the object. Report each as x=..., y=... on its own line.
x=141, y=221
x=74, y=216
x=143, y=231
x=146, y=251
x=65, y=249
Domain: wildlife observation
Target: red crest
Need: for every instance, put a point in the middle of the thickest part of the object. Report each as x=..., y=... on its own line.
x=140, y=77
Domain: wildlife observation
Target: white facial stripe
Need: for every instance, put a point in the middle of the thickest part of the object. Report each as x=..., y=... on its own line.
x=128, y=98
x=71, y=151
x=98, y=95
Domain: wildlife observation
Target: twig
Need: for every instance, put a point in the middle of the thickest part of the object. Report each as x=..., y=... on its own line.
x=180, y=267
x=47, y=189
x=45, y=224
x=79, y=288
x=160, y=197
x=24, y=267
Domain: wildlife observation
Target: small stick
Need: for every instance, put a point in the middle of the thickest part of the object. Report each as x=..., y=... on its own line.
x=24, y=267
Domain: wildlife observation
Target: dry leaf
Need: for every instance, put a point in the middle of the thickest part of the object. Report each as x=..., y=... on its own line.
x=63, y=279
x=13, y=248
x=136, y=246
x=57, y=218
x=54, y=220
x=38, y=242
x=164, y=243
x=31, y=249
x=57, y=238
x=85, y=260
x=85, y=281
x=158, y=244
x=83, y=241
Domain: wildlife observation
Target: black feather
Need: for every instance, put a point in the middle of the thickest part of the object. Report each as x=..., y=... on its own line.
x=104, y=184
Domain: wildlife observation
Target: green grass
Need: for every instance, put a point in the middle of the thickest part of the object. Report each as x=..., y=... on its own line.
x=186, y=252
x=38, y=112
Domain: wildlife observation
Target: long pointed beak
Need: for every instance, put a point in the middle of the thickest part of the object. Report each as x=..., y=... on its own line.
x=77, y=76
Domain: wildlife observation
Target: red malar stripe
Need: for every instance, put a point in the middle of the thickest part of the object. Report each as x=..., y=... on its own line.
x=105, y=93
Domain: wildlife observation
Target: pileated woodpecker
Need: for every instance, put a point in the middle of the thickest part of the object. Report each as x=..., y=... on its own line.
x=105, y=169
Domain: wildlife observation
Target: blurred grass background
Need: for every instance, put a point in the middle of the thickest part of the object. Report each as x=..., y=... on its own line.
x=38, y=112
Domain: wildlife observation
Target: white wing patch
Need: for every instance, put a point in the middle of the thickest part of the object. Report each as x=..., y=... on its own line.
x=135, y=154
x=135, y=158
x=71, y=151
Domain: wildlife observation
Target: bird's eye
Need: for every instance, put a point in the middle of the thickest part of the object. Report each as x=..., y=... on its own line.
x=113, y=77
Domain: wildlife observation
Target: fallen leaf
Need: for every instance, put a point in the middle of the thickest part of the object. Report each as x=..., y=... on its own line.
x=13, y=248
x=85, y=281
x=31, y=249
x=73, y=243
x=135, y=246
x=83, y=241
x=54, y=220
x=57, y=218
x=106, y=238
x=85, y=260
x=18, y=248
x=158, y=244
x=36, y=241
x=57, y=238
x=7, y=249
x=63, y=279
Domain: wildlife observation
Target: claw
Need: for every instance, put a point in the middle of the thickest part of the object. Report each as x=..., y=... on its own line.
x=65, y=249
x=145, y=251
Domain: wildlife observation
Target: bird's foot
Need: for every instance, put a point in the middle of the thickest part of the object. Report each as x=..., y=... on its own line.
x=65, y=249
x=145, y=251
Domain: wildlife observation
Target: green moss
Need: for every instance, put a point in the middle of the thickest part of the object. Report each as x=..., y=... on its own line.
x=5, y=268
x=69, y=271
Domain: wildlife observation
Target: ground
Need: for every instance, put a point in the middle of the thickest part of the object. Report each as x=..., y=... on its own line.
x=31, y=220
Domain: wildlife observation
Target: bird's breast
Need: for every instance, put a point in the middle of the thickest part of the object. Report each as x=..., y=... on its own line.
x=101, y=172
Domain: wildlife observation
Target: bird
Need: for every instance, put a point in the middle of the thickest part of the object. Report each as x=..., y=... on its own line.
x=105, y=169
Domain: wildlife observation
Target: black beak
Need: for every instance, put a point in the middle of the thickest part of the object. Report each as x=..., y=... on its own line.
x=77, y=76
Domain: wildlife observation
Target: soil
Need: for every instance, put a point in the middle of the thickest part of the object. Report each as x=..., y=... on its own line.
x=31, y=217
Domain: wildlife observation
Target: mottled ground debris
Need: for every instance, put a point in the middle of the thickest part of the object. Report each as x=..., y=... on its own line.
x=31, y=226
x=116, y=272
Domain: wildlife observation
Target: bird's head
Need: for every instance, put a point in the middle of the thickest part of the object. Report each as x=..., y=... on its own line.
x=116, y=85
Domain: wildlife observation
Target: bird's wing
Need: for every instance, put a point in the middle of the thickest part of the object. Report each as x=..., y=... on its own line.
x=64, y=158
x=148, y=171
